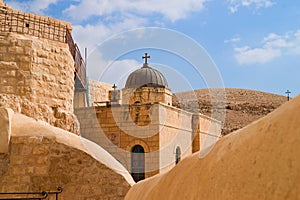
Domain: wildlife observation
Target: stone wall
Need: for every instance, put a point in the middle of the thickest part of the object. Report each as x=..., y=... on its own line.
x=206, y=131
x=190, y=132
x=42, y=157
x=118, y=130
x=40, y=163
x=158, y=128
x=37, y=79
x=147, y=95
x=175, y=131
x=98, y=91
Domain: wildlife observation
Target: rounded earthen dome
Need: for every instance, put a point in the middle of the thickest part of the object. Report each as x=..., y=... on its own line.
x=146, y=76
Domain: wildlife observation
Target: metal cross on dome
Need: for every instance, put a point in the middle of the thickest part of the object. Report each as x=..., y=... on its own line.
x=146, y=58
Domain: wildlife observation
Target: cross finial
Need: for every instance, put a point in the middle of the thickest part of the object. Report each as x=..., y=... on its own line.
x=114, y=93
x=146, y=58
x=288, y=94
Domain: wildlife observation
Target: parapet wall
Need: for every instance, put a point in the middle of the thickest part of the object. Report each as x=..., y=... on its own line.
x=32, y=24
x=37, y=79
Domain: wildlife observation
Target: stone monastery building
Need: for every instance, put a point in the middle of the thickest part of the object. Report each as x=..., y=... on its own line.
x=43, y=76
x=145, y=132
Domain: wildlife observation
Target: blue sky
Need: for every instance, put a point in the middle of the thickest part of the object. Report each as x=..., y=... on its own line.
x=254, y=44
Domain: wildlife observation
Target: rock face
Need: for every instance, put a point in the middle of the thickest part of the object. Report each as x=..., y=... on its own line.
x=42, y=157
x=242, y=106
x=37, y=79
x=260, y=161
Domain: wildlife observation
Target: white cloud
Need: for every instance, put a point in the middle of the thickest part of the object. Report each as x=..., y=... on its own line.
x=295, y=45
x=246, y=55
x=272, y=46
x=106, y=18
x=233, y=40
x=110, y=71
x=276, y=41
x=234, y=5
x=35, y=6
x=171, y=10
x=91, y=35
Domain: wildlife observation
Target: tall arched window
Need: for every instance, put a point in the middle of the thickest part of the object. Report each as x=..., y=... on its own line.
x=138, y=163
x=177, y=155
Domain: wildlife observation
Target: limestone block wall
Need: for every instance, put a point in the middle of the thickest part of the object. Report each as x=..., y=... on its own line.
x=146, y=95
x=158, y=128
x=196, y=132
x=206, y=131
x=37, y=79
x=98, y=91
x=175, y=131
x=42, y=157
x=119, y=128
x=39, y=163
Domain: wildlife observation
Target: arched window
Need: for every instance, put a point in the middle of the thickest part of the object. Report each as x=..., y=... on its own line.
x=177, y=155
x=138, y=163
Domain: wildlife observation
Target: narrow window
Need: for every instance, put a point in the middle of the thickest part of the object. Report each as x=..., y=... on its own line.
x=177, y=155
x=138, y=163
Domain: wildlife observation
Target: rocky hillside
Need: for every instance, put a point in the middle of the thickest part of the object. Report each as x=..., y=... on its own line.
x=241, y=106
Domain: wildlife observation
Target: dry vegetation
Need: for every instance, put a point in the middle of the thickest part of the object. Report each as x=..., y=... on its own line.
x=241, y=106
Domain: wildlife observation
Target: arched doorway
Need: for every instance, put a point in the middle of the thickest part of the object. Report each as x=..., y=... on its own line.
x=138, y=163
x=177, y=155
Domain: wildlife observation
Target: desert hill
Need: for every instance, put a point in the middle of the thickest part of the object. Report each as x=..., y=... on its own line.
x=242, y=106
x=259, y=161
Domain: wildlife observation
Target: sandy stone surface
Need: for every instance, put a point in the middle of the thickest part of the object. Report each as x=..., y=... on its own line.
x=260, y=161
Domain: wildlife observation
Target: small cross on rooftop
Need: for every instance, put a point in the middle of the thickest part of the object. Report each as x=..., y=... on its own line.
x=114, y=86
x=146, y=58
x=288, y=94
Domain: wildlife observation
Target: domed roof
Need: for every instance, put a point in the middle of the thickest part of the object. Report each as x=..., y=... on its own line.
x=146, y=76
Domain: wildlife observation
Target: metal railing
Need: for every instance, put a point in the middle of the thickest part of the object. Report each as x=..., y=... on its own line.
x=43, y=27
x=30, y=195
x=80, y=65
